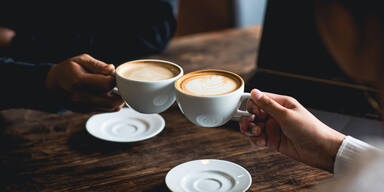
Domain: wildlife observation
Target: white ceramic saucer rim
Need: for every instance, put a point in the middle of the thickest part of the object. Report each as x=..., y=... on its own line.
x=179, y=188
x=158, y=117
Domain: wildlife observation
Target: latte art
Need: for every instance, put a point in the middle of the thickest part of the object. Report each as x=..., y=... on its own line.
x=147, y=71
x=151, y=73
x=210, y=85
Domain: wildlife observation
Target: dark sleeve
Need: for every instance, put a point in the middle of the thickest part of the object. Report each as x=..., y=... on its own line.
x=113, y=32
x=23, y=85
x=144, y=30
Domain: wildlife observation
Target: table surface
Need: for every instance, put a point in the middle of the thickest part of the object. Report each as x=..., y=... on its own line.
x=53, y=152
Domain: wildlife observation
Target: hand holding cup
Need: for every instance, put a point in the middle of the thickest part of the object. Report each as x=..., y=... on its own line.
x=283, y=124
x=84, y=84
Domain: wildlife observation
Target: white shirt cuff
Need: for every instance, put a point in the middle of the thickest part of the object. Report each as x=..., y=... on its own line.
x=349, y=150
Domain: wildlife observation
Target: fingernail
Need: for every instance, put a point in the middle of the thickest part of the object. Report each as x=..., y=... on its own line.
x=257, y=94
x=110, y=68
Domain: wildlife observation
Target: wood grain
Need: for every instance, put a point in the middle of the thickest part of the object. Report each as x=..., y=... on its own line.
x=53, y=152
x=233, y=50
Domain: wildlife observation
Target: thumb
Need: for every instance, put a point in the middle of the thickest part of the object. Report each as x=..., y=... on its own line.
x=95, y=66
x=270, y=106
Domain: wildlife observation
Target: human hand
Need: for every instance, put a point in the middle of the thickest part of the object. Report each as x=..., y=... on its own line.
x=283, y=124
x=87, y=82
x=6, y=36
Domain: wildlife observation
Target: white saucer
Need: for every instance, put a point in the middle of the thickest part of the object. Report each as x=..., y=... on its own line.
x=208, y=175
x=125, y=125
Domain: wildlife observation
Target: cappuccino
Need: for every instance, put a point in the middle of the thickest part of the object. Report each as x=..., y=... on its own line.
x=147, y=85
x=147, y=71
x=209, y=83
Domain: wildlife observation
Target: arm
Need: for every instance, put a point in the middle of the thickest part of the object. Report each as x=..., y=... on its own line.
x=283, y=124
x=144, y=29
x=112, y=32
x=358, y=167
x=23, y=85
x=349, y=150
x=80, y=83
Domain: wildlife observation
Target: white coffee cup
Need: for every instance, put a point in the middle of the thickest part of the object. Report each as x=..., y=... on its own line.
x=147, y=96
x=211, y=110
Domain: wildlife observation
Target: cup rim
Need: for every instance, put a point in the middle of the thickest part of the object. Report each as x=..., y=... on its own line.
x=210, y=96
x=181, y=71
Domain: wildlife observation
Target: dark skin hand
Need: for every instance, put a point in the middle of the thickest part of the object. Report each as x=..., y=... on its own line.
x=87, y=84
x=6, y=36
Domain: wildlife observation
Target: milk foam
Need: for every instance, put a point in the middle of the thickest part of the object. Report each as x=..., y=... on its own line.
x=147, y=72
x=210, y=84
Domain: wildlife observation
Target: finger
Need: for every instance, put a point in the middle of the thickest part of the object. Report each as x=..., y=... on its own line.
x=273, y=133
x=118, y=108
x=95, y=83
x=244, y=122
x=93, y=65
x=259, y=113
x=259, y=141
x=256, y=129
x=96, y=101
x=283, y=100
x=121, y=106
x=252, y=107
x=267, y=104
x=262, y=115
x=103, y=109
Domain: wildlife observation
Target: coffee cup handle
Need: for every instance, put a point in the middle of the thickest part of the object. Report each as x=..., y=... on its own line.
x=115, y=90
x=240, y=113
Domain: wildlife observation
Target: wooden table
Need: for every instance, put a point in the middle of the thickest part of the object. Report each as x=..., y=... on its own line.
x=53, y=152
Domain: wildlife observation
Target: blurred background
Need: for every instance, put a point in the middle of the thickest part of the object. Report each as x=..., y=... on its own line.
x=197, y=16
x=303, y=63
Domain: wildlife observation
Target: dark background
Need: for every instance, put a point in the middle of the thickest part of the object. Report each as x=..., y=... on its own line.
x=290, y=44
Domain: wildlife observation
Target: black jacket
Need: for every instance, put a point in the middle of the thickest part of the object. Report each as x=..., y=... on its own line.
x=46, y=35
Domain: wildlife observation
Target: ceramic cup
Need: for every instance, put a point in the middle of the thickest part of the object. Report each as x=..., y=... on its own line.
x=147, y=96
x=212, y=111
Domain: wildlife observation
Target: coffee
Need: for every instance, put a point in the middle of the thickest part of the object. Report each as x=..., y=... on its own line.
x=148, y=85
x=211, y=98
x=209, y=83
x=147, y=71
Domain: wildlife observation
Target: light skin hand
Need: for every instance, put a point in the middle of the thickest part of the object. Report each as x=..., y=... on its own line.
x=87, y=82
x=283, y=124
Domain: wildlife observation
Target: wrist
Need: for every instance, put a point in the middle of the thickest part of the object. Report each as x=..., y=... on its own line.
x=50, y=82
x=332, y=143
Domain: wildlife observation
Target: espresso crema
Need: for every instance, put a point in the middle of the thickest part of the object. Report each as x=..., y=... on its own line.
x=209, y=83
x=147, y=71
